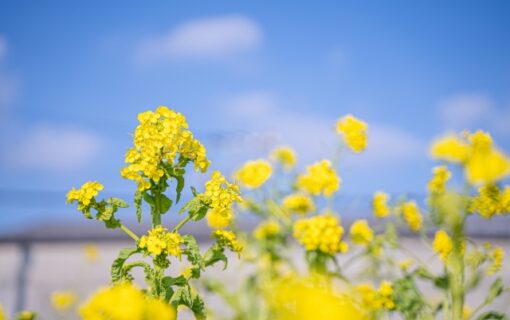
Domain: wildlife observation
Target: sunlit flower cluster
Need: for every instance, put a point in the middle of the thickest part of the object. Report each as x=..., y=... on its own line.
x=496, y=256
x=323, y=233
x=490, y=201
x=440, y=177
x=442, y=245
x=161, y=241
x=266, y=230
x=124, y=301
x=228, y=239
x=380, y=204
x=354, y=132
x=319, y=178
x=298, y=203
x=286, y=156
x=220, y=195
x=412, y=215
x=254, y=174
x=161, y=137
x=85, y=194
x=361, y=233
x=376, y=299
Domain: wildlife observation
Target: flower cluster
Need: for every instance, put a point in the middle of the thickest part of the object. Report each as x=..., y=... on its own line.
x=323, y=233
x=85, y=194
x=373, y=299
x=412, y=215
x=490, y=201
x=298, y=203
x=285, y=156
x=227, y=239
x=319, y=178
x=496, y=257
x=255, y=173
x=124, y=301
x=437, y=184
x=161, y=241
x=361, y=233
x=266, y=230
x=63, y=300
x=161, y=137
x=354, y=132
x=380, y=204
x=442, y=244
x=220, y=195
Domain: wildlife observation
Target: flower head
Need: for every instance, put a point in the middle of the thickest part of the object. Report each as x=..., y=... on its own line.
x=228, y=239
x=450, y=148
x=323, y=233
x=266, y=230
x=298, y=203
x=286, y=156
x=437, y=184
x=442, y=244
x=161, y=241
x=220, y=195
x=490, y=201
x=412, y=215
x=380, y=204
x=63, y=300
x=319, y=178
x=496, y=257
x=254, y=174
x=354, y=132
x=85, y=194
x=361, y=233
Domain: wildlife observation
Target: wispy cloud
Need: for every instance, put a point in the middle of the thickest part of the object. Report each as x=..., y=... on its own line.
x=54, y=149
x=206, y=38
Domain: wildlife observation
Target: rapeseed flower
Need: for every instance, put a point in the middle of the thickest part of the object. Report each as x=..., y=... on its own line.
x=319, y=178
x=161, y=241
x=286, y=156
x=361, y=233
x=228, y=239
x=85, y=194
x=496, y=257
x=254, y=174
x=412, y=215
x=443, y=245
x=380, y=204
x=220, y=195
x=267, y=230
x=490, y=201
x=323, y=233
x=376, y=299
x=437, y=184
x=298, y=203
x=354, y=132
x=63, y=300
x=450, y=148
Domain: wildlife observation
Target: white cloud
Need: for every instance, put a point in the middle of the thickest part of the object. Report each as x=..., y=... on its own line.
x=213, y=37
x=313, y=136
x=465, y=110
x=54, y=148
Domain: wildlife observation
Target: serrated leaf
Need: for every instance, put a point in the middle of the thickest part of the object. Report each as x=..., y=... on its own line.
x=116, y=269
x=192, y=251
x=164, y=204
x=191, y=206
x=194, y=191
x=138, y=206
x=179, y=187
x=117, y=202
x=181, y=296
x=492, y=315
x=177, y=281
x=198, y=307
x=148, y=198
x=495, y=290
x=215, y=254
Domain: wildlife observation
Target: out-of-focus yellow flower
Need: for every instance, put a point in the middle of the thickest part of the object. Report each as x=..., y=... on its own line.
x=266, y=230
x=405, y=264
x=380, y=204
x=161, y=137
x=442, y=244
x=91, y=252
x=361, y=233
x=450, y=148
x=2, y=313
x=286, y=156
x=485, y=164
x=319, y=178
x=412, y=215
x=298, y=203
x=302, y=299
x=437, y=184
x=467, y=312
x=26, y=315
x=161, y=241
x=124, y=301
x=85, y=194
x=227, y=239
x=323, y=233
x=496, y=257
x=491, y=201
x=254, y=174
x=375, y=300
x=354, y=132
x=63, y=300
x=220, y=194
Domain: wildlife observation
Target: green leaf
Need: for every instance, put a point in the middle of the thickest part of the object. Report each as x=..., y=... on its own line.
x=117, y=202
x=492, y=315
x=198, y=307
x=442, y=282
x=181, y=296
x=148, y=198
x=138, y=206
x=177, y=281
x=194, y=191
x=164, y=204
x=191, y=206
x=495, y=290
x=215, y=254
x=180, y=186
x=192, y=251
x=116, y=270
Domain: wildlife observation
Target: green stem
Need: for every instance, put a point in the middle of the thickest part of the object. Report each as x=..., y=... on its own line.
x=156, y=213
x=181, y=224
x=129, y=232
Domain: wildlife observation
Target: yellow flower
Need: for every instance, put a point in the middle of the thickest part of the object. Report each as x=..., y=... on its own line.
x=450, y=148
x=442, y=244
x=85, y=194
x=412, y=215
x=491, y=201
x=26, y=315
x=286, y=156
x=496, y=257
x=438, y=182
x=374, y=300
x=354, y=132
x=380, y=204
x=161, y=241
x=319, y=178
x=63, y=300
x=361, y=233
x=323, y=233
x=124, y=301
x=228, y=239
x=298, y=203
x=161, y=137
x=405, y=264
x=2, y=313
x=255, y=173
x=267, y=229
x=91, y=253
x=220, y=195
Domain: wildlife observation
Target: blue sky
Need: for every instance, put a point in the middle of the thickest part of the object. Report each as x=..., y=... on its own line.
x=248, y=76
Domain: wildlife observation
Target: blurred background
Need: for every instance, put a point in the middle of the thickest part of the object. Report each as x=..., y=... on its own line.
x=248, y=76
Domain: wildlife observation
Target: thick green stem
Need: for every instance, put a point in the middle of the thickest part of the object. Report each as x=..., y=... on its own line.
x=457, y=271
x=129, y=232
x=156, y=212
